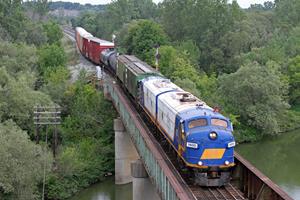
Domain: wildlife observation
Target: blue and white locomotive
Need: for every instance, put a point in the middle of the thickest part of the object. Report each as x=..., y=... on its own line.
x=201, y=137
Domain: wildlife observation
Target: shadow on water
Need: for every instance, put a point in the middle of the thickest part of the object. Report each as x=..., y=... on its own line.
x=278, y=158
x=106, y=190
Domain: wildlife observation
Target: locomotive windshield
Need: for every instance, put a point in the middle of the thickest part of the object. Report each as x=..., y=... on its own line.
x=219, y=122
x=197, y=123
x=203, y=122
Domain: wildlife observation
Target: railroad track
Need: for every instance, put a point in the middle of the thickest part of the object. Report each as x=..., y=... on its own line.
x=69, y=32
x=228, y=192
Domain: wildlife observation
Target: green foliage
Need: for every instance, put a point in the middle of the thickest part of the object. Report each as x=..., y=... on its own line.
x=17, y=58
x=244, y=133
x=142, y=36
x=116, y=14
x=287, y=12
x=87, y=152
x=175, y=64
x=41, y=7
x=256, y=93
x=205, y=22
x=89, y=114
x=294, y=80
x=11, y=17
x=80, y=164
x=56, y=83
x=51, y=57
x=18, y=98
x=21, y=163
x=34, y=34
x=190, y=50
x=53, y=32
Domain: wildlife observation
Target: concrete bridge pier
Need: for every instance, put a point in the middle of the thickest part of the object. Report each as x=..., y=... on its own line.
x=142, y=188
x=125, y=152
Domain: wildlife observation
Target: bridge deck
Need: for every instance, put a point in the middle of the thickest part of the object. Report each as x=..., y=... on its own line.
x=247, y=182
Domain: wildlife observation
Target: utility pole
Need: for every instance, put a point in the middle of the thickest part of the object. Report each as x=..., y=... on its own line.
x=44, y=116
x=157, y=56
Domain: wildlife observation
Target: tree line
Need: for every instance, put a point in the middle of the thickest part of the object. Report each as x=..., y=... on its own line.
x=244, y=60
x=34, y=60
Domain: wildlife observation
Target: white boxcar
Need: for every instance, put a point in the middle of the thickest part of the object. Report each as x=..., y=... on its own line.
x=164, y=101
x=80, y=35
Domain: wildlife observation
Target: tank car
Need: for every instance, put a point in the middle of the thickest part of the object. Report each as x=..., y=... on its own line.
x=108, y=58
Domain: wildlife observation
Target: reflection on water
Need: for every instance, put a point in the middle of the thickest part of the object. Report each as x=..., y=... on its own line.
x=106, y=190
x=279, y=159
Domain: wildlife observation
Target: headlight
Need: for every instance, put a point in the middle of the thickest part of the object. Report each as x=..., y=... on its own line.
x=213, y=135
x=200, y=163
x=231, y=144
x=192, y=145
x=226, y=162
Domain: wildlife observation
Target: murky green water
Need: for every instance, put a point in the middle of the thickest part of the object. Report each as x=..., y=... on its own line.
x=279, y=159
x=106, y=190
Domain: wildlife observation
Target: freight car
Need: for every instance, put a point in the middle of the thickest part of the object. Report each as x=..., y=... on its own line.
x=90, y=46
x=201, y=137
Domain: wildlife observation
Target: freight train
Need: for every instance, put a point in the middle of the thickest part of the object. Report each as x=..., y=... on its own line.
x=201, y=137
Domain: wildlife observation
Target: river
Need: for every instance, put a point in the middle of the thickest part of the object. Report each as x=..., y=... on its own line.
x=278, y=158
x=106, y=190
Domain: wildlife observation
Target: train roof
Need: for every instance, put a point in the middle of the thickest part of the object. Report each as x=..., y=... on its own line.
x=198, y=112
x=83, y=33
x=181, y=102
x=136, y=65
x=101, y=42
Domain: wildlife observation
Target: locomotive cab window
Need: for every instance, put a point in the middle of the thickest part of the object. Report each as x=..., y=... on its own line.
x=197, y=123
x=219, y=122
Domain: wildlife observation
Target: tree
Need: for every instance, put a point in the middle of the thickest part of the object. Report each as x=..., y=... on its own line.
x=12, y=18
x=56, y=83
x=51, y=57
x=19, y=98
x=41, y=7
x=87, y=110
x=53, y=32
x=21, y=163
x=17, y=58
x=142, y=37
x=34, y=34
x=190, y=50
x=176, y=65
x=294, y=80
x=87, y=135
x=287, y=12
x=255, y=93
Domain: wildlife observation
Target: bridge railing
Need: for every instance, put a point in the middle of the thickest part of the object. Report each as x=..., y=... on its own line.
x=254, y=184
x=163, y=175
